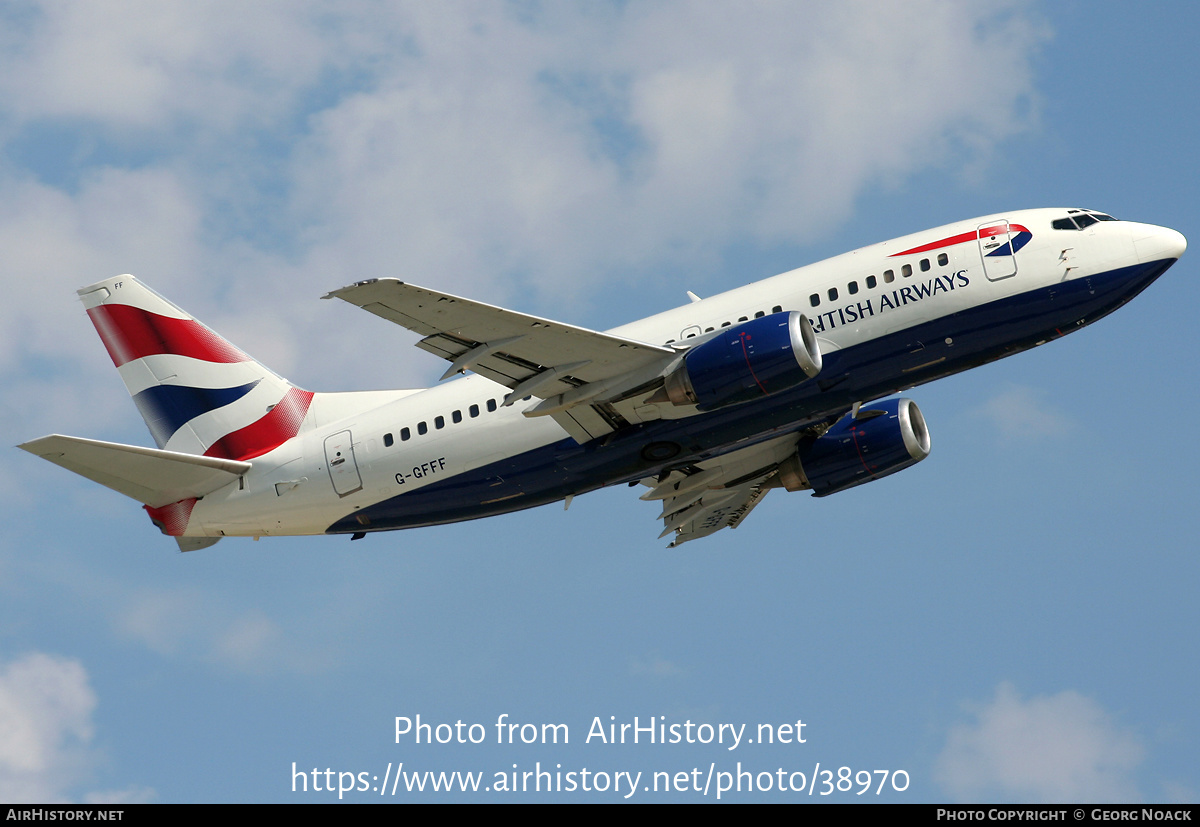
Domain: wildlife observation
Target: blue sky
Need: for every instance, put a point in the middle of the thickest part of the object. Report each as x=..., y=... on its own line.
x=1011, y=620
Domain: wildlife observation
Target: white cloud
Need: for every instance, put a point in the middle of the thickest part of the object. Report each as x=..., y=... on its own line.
x=119, y=221
x=248, y=641
x=1058, y=748
x=1020, y=412
x=139, y=65
x=46, y=731
x=487, y=153
x=191, y=625
x=245, y=160
x=46, y=706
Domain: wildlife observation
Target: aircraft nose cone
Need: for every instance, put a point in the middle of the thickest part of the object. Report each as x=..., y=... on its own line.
x=1163, y=243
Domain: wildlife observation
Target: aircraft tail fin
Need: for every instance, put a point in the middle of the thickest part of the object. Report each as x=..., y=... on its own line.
x=198, y=393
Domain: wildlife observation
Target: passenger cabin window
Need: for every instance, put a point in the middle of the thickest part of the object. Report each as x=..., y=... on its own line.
x=906, y=270
x=888, y=276
x=474, y=411
x=405, y=434
x=388, y=440
x=760, y=314
x=833, y=294
x=776, y=309
x=491, y=406
x=925, y=265
x=852, y=287
x=814, y=300
x=456, y=417
x=726, y=324
x=943, y=259
x=422, y=428
x=439, y=422
x=743, y=318
x=871, y=282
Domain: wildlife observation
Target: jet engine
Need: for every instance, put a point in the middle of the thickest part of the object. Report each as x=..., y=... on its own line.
x=864, y=445
x=747, y=361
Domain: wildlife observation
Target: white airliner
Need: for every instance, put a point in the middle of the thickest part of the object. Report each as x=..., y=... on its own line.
x=709, y=406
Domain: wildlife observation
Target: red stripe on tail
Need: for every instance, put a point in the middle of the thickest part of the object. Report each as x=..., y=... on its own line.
x=277, y=427
x=130, y=333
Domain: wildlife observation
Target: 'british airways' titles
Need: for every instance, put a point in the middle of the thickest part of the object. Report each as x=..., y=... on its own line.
x=851, y=313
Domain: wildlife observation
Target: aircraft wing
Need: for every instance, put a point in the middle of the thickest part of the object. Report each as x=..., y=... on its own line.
x=718, y=493
x=575, y=371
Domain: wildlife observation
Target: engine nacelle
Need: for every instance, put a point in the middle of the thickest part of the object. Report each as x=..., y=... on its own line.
x=884, y=437
x=747, y=361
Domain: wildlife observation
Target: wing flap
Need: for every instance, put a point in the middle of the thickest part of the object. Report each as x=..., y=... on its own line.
x=714, y=512
x=148, y=475
x=718, y=493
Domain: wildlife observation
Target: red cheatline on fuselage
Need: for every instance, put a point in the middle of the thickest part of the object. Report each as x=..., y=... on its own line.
x=961, y=238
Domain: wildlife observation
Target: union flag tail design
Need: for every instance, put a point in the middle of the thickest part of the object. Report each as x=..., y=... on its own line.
x=197, y=392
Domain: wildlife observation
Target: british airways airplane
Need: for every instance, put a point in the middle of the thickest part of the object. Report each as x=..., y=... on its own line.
x=709, y=406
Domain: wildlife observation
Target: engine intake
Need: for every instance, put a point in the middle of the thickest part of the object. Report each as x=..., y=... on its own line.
x=884, y=437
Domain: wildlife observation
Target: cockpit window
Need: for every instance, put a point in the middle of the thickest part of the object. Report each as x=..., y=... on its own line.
x=1079, y=219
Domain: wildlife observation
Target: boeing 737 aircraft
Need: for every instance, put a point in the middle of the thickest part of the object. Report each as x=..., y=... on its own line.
x=709, y=406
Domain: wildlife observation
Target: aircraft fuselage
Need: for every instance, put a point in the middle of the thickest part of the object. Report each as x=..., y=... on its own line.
x=888, y=317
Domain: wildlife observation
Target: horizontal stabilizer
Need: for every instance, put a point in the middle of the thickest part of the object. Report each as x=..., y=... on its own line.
x=148, y=475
